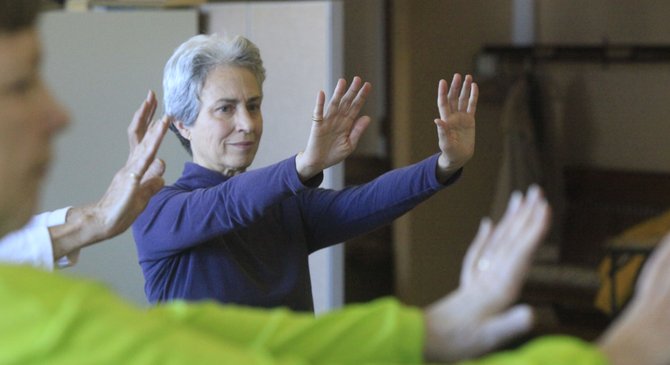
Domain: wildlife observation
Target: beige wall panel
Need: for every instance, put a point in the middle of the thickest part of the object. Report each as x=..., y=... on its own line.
x=616, y=116
x=432, y=40
x=592, y=21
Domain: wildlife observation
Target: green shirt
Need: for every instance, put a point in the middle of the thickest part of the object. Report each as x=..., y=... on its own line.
x=46, y=318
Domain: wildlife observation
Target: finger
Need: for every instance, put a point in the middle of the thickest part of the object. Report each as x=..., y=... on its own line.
x=526, y=211
x=317, y=115
x=150, y=187
x=513, y=205
x=146, y=151
x=359, y=100
x=136, y=127
x=442, y=103
x=452, y=95
x=465, y=93
x=153, y=104
x=501, y=232
x=476, y=250
x=533, y=220
x=359, y=127
x=140, y=122
x=340, y=88
x=349, y=96
x=506, y=326
x=523, y=246
x=156, y=168
x=474, y=96
x=522, y=224
x=525, y=232
x=154, y=138
x=441, y=129
x=654, y=269
x=511, y=257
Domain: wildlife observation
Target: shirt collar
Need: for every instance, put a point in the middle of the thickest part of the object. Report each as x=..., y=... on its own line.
x=195, y=176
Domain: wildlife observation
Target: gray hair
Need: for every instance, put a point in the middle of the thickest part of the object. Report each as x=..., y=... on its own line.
x=187, y=69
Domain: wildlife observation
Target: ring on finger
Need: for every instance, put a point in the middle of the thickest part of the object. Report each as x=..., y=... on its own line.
x=483, y=264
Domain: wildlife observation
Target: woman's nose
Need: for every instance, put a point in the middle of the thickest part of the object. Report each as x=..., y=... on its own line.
x=245, y=122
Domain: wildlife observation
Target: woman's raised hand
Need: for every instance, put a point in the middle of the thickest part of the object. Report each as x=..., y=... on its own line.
x=336, y=131
x=457, y=104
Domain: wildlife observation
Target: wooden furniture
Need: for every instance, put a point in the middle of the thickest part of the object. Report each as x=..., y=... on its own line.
x=626, y=254
x=600, y=204
x=619, y=253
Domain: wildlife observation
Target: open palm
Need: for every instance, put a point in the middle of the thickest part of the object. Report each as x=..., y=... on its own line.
x=456, y=126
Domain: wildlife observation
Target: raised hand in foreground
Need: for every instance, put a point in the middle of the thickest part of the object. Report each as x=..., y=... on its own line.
x=127, y=195
x=640, y=334
x=477, y=317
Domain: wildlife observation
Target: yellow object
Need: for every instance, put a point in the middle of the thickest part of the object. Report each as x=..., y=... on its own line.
x=643, y=235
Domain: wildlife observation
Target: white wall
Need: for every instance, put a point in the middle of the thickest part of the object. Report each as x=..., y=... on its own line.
x=101, y=66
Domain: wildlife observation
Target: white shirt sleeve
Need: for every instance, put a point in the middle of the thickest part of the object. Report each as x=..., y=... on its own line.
x=31, y=245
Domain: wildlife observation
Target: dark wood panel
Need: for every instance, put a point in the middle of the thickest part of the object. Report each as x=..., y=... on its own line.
x=602, y=203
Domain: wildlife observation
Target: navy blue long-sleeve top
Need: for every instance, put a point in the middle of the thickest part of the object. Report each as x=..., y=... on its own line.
x=246, y=239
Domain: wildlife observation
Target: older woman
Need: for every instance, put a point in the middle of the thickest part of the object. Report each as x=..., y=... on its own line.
x=244, y=237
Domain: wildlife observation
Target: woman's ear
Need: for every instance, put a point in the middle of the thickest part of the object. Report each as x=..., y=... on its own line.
x=184, y=131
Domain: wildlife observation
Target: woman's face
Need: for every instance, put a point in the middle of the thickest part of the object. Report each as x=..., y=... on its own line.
x=227, y=131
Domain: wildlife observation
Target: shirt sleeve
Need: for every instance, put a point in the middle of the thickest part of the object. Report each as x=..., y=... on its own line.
x=382, y=331
x=31, y=245
x=333, y=216
x=47, y=318
x=176, y=219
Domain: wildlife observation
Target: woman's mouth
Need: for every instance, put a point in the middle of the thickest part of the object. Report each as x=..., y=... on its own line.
x=242, y=145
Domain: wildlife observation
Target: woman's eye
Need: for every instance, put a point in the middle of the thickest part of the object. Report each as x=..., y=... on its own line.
x=226, y=108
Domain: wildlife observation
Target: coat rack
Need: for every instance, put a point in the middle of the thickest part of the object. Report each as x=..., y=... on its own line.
x=603, y=53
